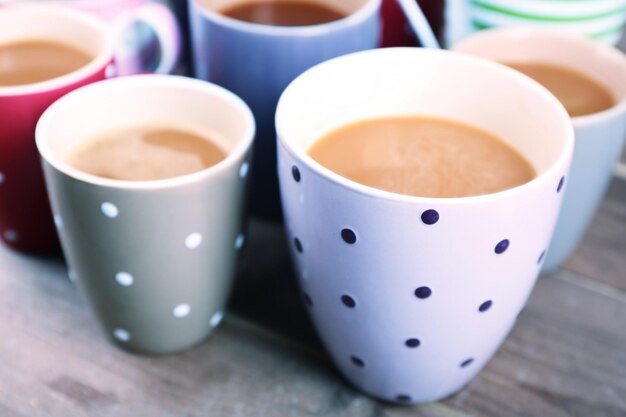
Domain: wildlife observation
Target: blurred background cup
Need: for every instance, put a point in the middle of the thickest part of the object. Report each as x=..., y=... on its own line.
x=25, y=219
x=599, y=136
x=147, y=33
x=602, y=20
x=156, y=259
x=257, y=61
x=412, y=296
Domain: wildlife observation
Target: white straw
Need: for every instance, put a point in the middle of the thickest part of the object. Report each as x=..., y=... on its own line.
x=418, y=22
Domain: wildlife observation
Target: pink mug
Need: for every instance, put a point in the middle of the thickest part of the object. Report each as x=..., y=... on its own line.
x=26, y=222
x=132, y=45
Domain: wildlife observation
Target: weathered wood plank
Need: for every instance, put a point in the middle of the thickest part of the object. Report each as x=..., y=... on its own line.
x=602, y=252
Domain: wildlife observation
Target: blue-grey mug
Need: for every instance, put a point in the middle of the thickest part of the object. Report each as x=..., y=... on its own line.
x=258, y=61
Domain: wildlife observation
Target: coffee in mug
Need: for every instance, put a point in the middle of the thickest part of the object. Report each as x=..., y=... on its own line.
x=580, y=94
x=147, y=153
x=32, y=61
x=422, y=156
x=284, y=12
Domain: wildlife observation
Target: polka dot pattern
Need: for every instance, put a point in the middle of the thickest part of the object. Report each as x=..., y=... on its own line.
x=307, y=299
x=122, y=335
x=193, y=241
x=298, y=245
x=58, y=222
x=348, y=236
x=348, y=301
x=412, y=343
x=430, y=217
x=502, y=246
x=357, y=361
x=124, y=279
x=181, y=310
x=243, y=171
x=110, y=210
x=239, y=241
x=216, y=318
x=467, y=362
x=485, y=306
x=541, y=256
x=423, y=292
x=295, y=172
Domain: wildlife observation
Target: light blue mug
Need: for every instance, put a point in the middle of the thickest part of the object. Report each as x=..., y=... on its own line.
x=257, y=62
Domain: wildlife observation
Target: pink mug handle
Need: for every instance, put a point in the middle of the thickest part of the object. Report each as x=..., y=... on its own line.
x=165, y=26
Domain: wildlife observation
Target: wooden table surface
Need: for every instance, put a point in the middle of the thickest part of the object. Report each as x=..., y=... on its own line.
x=566, y=355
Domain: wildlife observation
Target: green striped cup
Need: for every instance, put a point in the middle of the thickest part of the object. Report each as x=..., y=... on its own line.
x=602, y=20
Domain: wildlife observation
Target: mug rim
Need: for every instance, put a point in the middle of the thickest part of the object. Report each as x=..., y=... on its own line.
x=156, y=80
x=610, y=53
x=99, y=60
x=368, y=9
x=328, y=175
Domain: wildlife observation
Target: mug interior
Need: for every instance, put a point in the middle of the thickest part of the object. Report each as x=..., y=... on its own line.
x=409, y=81
x=347, y=7
x=602, y=63
x=144, y=100
x=56, y=24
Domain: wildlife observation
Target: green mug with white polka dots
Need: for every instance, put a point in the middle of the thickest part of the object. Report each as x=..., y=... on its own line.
x=155, y=259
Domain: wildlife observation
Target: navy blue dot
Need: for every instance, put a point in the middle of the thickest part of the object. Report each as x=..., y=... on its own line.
x=485, y=306
x=307, y=299
x=296, y=173
x=502, y=246
x=543, y=254
x=348, y=236
x=430, y=217
x=412, y=343
x=403, y=398
x=348, y=301
x=423, y=292
x=357, y=361
x=467, y=362
x=297, y=244
x=561, y=184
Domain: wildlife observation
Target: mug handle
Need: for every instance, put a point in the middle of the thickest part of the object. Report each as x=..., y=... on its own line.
x=165, y=26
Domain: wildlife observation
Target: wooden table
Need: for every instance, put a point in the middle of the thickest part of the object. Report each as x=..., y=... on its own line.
x=565, y=357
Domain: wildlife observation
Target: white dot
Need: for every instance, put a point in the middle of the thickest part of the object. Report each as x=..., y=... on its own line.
x=181, y=310
x=1, y=177
x=122, y=335
x=243, y=171
x=240, y=241
x=301, y=198
x=305, y=274
x=217, y=318
x=110, y=71
x=124, y=279
x=193, y=240
x=58, y=222
x=11, y=235
x=71, y=275
x=109, y=209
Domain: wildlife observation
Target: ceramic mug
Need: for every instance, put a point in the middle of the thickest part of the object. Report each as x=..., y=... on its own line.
x=412, y=296
x=602, y=20
x=599, y=136
x=156, y=259
x=25, y=219
x=258, y=61
x=133, y=47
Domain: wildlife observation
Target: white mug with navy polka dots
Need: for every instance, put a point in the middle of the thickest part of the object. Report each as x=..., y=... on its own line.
x=412, y=296
x=155, y=258
x=600, y=137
